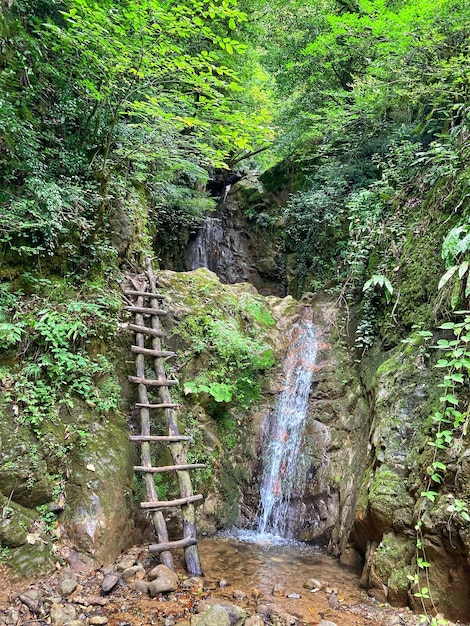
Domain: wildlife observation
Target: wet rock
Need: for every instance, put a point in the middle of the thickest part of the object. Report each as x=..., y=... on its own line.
x=220, y=615
x=66, y=586
x=109, y=582
x=278, y=590
x=239, y=595
x=61, y=614
x=131, y=574
x=313, y=583
x=165, y=581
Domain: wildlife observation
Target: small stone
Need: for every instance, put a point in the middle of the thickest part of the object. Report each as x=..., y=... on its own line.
x=131, y=574
x=222, y=615
x=125, y=563
x=96, y=620
x=33, y=594
x=239, y=595
x=61, y=614
x=109, y=582
x=194, y=581
x=313, y=583
x=256, y=593
x=333, y=600
x=66, y=586
x=278, y=590
x=325, y=622
x=294, y=596
x=223, y=583
x=141, y=586
x=52, y=599
x=67, y=572
x=162, y=585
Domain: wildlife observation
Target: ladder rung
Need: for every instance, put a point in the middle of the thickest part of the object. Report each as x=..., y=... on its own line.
x=163, y=405
x=149, y=352
x=145, y=310
x=167, y=468
x=159, y=438
x=145, y=330
x=147, y=294
x=156, y=548
x=152, y=383
x=169, y=503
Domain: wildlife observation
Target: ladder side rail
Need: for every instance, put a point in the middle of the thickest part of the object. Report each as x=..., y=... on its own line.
x=188, y=511
x=157, y=517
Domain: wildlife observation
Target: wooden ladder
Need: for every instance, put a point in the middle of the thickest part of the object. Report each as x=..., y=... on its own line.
x=147, y=329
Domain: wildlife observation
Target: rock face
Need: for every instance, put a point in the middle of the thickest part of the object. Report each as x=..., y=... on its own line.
x=238, y=241
x=404, y=394
x=94, y=506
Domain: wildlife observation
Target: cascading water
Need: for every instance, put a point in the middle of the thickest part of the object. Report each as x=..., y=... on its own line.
x=284, y=474
x=205, y=251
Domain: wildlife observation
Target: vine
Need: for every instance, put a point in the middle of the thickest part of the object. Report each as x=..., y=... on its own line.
x=450, y=422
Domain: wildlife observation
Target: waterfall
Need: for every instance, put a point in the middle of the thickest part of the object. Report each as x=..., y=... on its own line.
x=284, y=473
x=205, y=251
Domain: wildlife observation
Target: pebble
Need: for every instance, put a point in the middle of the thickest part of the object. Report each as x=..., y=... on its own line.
x=96, y=620
x=223, y=583
x=141, y=586
x=61, y=614
x=109, y=582
x=194, y=581
x=33, y=594
x=278, y=590
x=313, y=583
x=126, y=563
x=239, y=595
x=325, y=622
x=256, y=593
x=254, y=620
x=333, y=600
x=294, y=596
x=68, y=572
x=131, y=574
x=66, y=586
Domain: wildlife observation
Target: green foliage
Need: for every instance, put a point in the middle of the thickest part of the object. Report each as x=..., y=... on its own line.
x=55, y=367
x=236, y=359
x=99, y=97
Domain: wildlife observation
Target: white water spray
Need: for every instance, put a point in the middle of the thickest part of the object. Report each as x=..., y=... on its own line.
x=284, y=475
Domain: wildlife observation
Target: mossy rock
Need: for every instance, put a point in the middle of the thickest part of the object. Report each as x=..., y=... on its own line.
x=24, y=473
x=32, y=560
x=15, y=523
